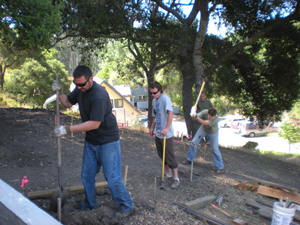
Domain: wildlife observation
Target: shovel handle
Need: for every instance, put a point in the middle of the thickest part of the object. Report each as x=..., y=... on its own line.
x=200, y=93
x=163, y=160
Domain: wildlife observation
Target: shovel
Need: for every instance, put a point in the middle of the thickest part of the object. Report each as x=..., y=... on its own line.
x=59, y=196
x=162, y=184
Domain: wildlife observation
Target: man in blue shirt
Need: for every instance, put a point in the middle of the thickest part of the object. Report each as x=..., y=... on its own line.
x=161, y=126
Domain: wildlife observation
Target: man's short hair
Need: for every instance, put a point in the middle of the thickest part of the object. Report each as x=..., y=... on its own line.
x=157, y=85
x=212, y=112
x=82, y=71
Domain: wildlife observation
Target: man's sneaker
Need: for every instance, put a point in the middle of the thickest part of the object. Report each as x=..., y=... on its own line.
x=123, y=214
x=186, y=162
x=175, y=184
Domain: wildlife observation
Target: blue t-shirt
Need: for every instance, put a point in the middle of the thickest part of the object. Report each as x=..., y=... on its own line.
x=95, y=105
x=160, y=107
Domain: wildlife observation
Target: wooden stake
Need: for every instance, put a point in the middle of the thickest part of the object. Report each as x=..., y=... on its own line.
x=181, y=136
x=59, y=209
x=72, y=135
x=125, y=177
x=192, y=167
x=204, y=151
x=154, y=189
x=222, y=211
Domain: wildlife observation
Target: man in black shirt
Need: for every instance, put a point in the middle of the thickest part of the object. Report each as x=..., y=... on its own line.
x=102, y=141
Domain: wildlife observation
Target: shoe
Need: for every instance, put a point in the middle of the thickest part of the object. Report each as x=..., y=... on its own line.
x=175, y=184
x=123, y=214
x=186, y=162
x=220, y=171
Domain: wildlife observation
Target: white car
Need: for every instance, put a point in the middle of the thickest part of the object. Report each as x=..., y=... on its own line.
x=224, y=122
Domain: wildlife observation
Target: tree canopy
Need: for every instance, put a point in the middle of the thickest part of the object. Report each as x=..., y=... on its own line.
x=256, y=65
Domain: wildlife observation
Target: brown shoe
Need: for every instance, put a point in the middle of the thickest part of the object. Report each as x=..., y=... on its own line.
x=186, y=162
x=175, y=184
x=220, y=171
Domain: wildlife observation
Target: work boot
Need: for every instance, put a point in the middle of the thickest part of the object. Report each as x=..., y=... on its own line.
x=186, y=162
x=123, y=214
x=175, y=184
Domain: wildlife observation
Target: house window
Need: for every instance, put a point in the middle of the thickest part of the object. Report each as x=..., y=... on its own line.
x=142, y=98
x=118, y=103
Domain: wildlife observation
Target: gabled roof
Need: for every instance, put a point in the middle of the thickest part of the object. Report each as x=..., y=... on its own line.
x=101, y=81
x=123, y=90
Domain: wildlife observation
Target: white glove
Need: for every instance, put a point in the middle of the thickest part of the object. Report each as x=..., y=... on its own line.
x=56, y=86
x=193, y=111
x=61, y=130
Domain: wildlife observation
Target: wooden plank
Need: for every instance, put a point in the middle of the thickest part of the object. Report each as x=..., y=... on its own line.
x=268, y=183
x=256, y=205
x=200, y=202
x=276, y=193
x=73, y=189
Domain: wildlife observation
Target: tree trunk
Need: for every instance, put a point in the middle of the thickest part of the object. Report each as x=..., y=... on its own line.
x=150, y=79
x=2, y=72
x=188, y=80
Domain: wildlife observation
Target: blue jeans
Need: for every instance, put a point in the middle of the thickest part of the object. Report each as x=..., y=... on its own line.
x=107, y=156
x=214, y=142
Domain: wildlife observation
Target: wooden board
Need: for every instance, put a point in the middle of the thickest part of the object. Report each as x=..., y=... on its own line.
x=272, y=184
x=74, y=189
x=276, y=193
x=200, y=202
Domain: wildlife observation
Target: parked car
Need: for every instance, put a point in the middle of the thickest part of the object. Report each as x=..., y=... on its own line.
x=225, y=121
x=236, y=122
x=252, y=129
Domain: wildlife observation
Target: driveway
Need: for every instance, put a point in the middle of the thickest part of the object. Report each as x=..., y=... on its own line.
x=272, y=142
x=228, y=138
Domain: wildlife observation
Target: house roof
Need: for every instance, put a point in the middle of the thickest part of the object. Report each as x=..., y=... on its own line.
x=101, y=81
x=123, y=90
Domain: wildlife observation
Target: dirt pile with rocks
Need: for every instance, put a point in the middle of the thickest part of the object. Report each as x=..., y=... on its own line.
x=28, y=147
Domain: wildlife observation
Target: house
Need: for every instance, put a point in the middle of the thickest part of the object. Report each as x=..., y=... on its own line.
x=124, y=111
x=140, y=97
x=125, y=92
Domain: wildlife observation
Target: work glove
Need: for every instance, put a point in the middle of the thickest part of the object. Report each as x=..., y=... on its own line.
x=193, y=111
x=56, y=86
x=61, y=130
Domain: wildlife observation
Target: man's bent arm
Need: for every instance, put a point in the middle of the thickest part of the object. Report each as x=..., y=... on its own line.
x=169, y=119
x=203, y=122
x=85, y=126
x=64, y=101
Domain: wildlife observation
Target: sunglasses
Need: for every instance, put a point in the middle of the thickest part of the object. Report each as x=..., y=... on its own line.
x=154, y=93
x=81, y=84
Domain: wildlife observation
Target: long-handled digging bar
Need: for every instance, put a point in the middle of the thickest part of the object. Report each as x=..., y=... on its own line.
x=59, y=196
x=162, y=185
x=198, y=98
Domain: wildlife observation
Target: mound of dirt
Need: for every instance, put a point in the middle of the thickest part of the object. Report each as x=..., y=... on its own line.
x=29, y=147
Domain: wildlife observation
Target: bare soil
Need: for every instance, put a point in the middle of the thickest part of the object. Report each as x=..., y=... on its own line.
x=29, y=147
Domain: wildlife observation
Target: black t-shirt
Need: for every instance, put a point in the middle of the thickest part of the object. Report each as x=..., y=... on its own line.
x=95, y=105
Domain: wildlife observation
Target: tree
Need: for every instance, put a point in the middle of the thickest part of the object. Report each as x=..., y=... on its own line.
x=291, y=133
x=26, y=25
x=236, y=61
x=251, y=21
x=32, y=81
